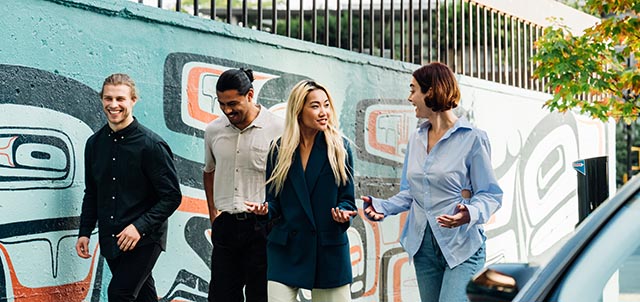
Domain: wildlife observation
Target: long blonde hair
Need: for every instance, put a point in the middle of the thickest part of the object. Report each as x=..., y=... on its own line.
x=290, y=139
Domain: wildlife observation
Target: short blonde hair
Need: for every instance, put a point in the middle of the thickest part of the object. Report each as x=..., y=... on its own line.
x=120, y=79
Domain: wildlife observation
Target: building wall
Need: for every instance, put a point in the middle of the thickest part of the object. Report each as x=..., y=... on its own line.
x=545, y=13
x=54, y=55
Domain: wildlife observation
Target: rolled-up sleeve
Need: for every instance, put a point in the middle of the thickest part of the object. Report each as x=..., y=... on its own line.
x=397, y=203
x=487, y=195
x=209, y=159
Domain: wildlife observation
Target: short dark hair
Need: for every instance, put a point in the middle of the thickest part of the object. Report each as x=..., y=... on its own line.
x=440, y=85
x=238, y=79
x=120, y=79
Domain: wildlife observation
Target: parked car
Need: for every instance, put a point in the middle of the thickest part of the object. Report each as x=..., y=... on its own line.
x=599, y=262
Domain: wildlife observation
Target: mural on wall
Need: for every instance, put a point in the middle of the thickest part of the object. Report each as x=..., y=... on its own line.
x=189, y=81
x=42, y=136
x=54, y=62
x=541, y=182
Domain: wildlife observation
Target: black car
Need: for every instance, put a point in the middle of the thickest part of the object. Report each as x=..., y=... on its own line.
x=599, y=262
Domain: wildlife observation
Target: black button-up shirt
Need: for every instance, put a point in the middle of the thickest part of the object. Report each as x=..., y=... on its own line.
x=130, y=178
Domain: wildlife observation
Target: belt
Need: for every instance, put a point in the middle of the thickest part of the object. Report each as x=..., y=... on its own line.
x=242, y=216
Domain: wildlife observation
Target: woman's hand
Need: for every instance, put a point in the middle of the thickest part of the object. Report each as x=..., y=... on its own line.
x=342, y=216
x=257, y=208
x=461, y=217
x=369, y=210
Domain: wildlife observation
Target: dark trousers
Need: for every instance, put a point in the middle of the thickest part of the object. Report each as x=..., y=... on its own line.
x=238, y=260
x=132, y=279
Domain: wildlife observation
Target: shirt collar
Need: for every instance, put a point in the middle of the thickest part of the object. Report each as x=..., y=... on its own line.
x=259, y=122
x=461, y=123
x=126, y=131
x=262, y=119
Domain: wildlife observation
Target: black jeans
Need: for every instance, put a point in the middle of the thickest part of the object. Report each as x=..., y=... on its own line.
x=132, y=279
x=238, y=259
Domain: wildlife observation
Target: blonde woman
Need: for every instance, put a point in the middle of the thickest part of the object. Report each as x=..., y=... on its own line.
x=310, y=199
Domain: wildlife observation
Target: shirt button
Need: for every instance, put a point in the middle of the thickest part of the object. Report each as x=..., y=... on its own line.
x=115, y=139
x=238, y=151
x=113, y=235
x=235, y=189
x=113, y=197
x=111, y=217
x=114, y=178
x=114, y=158
x=236, y=170
x=122, y=137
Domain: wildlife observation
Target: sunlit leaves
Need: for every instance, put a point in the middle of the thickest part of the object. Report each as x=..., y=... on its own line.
x=591, y=72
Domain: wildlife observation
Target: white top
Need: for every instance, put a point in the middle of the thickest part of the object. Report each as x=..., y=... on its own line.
x=238, y=158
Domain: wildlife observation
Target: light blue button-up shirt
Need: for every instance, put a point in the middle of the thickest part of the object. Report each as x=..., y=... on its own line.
x=432, y=184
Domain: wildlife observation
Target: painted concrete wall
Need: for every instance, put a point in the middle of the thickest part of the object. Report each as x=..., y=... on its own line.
x=54, y=55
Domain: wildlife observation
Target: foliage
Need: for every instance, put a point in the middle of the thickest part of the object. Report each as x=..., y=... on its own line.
x=595, y=64
x=622, y=150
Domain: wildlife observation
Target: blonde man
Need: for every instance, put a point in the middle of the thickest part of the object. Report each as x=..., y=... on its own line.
x=131, y=188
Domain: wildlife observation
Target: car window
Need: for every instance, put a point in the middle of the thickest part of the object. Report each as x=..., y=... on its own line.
x=608, y=269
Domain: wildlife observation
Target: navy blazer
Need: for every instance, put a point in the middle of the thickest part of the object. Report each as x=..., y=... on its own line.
x=306, y=248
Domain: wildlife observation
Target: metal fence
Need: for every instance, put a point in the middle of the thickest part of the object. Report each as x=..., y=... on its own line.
x=471, y=38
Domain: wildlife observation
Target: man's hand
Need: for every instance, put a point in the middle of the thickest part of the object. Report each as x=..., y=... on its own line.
x=213, y=215
x=128, y=238
x=453, y=221
x=369, y=210
x=257, y=208
x=82, y=247
x=342, y=216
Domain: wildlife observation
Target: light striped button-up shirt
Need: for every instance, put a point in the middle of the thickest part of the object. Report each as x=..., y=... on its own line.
x=431, y=186
x=238, y=158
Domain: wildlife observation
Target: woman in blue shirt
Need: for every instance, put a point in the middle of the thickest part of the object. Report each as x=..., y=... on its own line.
x=446, y=157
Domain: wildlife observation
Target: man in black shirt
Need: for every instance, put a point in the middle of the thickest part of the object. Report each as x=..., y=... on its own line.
x=131, y=188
